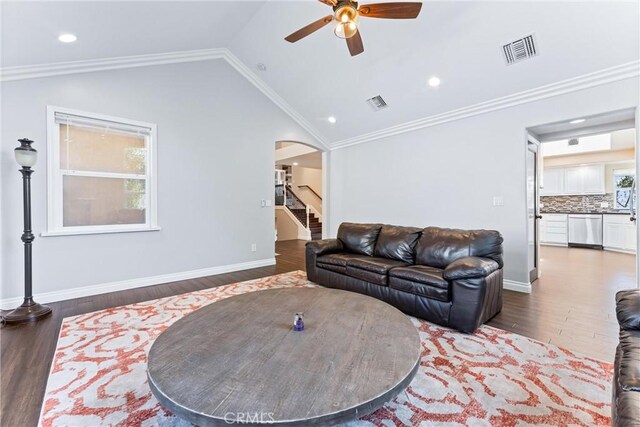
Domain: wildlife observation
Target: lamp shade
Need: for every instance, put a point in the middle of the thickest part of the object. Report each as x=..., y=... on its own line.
x=346, y=30
x=346, y=16
x=26, y=155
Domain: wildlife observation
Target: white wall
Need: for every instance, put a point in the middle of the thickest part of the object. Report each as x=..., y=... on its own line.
x=216, y=134
x=311, y=177
x=447, y=175
x=287, y=227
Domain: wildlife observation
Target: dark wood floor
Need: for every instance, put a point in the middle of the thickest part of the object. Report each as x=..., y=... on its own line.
x=571, y=306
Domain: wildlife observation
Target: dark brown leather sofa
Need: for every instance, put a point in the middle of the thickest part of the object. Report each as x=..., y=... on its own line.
x=446, y=276
x=625, y=407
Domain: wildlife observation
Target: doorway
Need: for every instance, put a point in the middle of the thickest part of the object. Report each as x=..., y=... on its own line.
x=533, y=210
x=581, y=224
x=581, y=191
x=299, y=190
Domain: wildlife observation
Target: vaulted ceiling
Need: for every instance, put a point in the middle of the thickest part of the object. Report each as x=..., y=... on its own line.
x=460, y=42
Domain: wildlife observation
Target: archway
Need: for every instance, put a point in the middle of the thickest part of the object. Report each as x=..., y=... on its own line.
x=299, y=184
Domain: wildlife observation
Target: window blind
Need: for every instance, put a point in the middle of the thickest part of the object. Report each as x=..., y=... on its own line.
x=100, y=124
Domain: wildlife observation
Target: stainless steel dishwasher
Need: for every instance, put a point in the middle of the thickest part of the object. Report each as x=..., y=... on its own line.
x=585, y=230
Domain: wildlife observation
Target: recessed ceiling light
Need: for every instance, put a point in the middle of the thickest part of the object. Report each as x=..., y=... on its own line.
x=67, y=38
x=576, y=121
x=332, y=119
x=295, y=163
x=434, y=81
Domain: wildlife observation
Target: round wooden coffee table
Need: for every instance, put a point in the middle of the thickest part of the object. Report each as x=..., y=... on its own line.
x=239, y=360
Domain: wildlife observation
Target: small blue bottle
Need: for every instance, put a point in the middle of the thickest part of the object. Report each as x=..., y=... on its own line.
x=298, y=322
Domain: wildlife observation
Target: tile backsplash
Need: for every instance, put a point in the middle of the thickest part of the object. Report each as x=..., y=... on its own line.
x=577, y=204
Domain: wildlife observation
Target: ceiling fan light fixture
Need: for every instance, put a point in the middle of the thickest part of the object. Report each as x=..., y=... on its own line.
x=346, y=26
x=346, y=30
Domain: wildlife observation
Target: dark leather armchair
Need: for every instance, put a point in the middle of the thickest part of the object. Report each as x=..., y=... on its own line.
x=446, y=276
x=625, y=407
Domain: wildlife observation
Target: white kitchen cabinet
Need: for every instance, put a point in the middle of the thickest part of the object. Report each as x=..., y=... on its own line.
x=619, y=233
x=553, y=181
x=553, y=229
x=584, y=179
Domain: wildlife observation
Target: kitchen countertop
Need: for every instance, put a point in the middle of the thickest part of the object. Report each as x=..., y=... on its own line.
x=586, y=213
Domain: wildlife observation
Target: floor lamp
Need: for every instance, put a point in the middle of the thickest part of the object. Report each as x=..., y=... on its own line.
x=29, y=311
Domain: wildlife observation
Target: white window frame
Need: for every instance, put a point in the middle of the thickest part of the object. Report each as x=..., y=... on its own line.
x=55, y=175
x=622, y=172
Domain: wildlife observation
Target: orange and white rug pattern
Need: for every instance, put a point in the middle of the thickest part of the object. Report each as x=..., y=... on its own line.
x=490, y=378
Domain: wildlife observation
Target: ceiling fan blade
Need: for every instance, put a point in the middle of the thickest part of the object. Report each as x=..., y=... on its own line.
x=305, y=31
x=329, y=2
x=402, y=10
x=355, y=44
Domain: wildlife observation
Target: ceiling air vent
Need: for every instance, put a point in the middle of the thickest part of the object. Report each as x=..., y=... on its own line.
x=377, y=103
x=519, y=50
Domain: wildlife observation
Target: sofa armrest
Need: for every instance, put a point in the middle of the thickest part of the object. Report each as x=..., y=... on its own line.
x=628, y=309
x=469, y=267
x=322, y=247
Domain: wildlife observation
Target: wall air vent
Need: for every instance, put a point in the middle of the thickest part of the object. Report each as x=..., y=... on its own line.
x=519, y=50
x=377, y=103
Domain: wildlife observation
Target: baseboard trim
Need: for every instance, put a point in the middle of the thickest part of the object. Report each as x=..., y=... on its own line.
x=512, y=285
x=622, y=251
x=47, y=297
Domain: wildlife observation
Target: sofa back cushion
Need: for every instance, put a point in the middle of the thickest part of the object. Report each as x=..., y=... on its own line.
x=359, y=238
x=395, y=242
x=439, y=247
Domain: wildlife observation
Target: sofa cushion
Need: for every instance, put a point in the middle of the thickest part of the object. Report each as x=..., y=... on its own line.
x=359, y=238
x=420, y=280
x=367, y=275
x=336, y=262
x=340, y=258
x=421, y=274
x=628, y=309
x=374, y=264
x=395, y=242
x=439, y=247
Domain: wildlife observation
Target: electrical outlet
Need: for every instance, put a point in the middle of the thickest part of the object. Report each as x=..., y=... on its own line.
x=254, y=247
x=268, y=202
x=498, y=201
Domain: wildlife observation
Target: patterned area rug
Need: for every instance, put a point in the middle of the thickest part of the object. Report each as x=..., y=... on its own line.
x=490, y=378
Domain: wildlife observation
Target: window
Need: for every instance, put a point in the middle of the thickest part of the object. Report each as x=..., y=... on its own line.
x=101, y=173
x=623, y=182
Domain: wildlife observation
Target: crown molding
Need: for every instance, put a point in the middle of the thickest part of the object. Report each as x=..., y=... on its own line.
x=585, y=81
x=24, y=72
x=608, y=75
x=93, y=65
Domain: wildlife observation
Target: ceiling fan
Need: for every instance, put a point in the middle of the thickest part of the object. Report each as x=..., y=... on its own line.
x=346, y=14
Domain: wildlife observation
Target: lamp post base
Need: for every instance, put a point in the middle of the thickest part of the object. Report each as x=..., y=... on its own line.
x=29, y=311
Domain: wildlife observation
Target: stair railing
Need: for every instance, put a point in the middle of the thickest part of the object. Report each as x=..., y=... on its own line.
x=310, y=189
x=284, y=196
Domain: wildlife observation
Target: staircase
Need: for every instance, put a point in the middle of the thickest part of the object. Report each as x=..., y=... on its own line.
x=314, y=223
x=286, y=197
